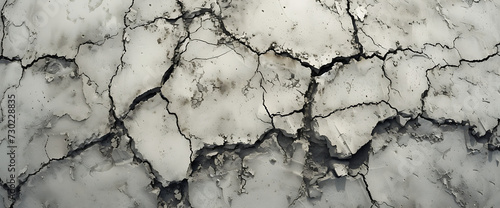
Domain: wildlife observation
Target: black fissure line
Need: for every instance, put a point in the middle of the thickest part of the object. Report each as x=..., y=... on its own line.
x=144, y=97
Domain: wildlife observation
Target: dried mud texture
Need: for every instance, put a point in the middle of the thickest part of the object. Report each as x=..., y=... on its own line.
x=327, y=103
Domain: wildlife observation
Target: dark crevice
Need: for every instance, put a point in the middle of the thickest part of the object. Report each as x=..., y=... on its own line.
x=368, y=190
x=175, y=60
x=289, y=113
x=355, y=28
x=144, y=97
x=360, y=157
x=306, y=132
x=242, y=150
x=357, y=57
x=168, y=194
x=56, y=56
x=63, y=58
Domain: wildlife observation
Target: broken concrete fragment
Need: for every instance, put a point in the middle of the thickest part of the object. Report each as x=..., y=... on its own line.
x=285, y=83
x=216, y=189
x=407, y=72
x=158, y=141
x=217, y=97
x=466, y=93
x=148, y=56
x=98, y=63
x=348, y=130
x=56, y=146
x=352, y=84
x=340, y=169
x=290, y=124
x=279, y=25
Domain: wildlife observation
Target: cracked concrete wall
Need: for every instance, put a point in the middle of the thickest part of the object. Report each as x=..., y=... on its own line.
x=197, y=103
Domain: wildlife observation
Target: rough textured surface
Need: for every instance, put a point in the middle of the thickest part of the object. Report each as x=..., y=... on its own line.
x=220, y=103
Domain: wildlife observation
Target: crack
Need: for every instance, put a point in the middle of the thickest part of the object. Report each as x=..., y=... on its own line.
x=168, y=196
x=289, y=113
x=241, y=149
x=355, y=28
x=90, y=82
x=349, y=107
x=165, y=189
x=56, y=56
x=178, y=127
x=118, y=129
x=461, y=61
x=264, y=92
x=267, y=110
x=143, y=98
x=175, y=59
x=45, y=148
x=29, y=65
x=120, y=66
x=347, y=60
x=307, y=130
x=203, y=160
x=300, y=193
x=374, y=202
x=150, y=22
x=389, y=87
x=373, y=41
x=441, y=45
x=488, y=136
x=213, y=57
